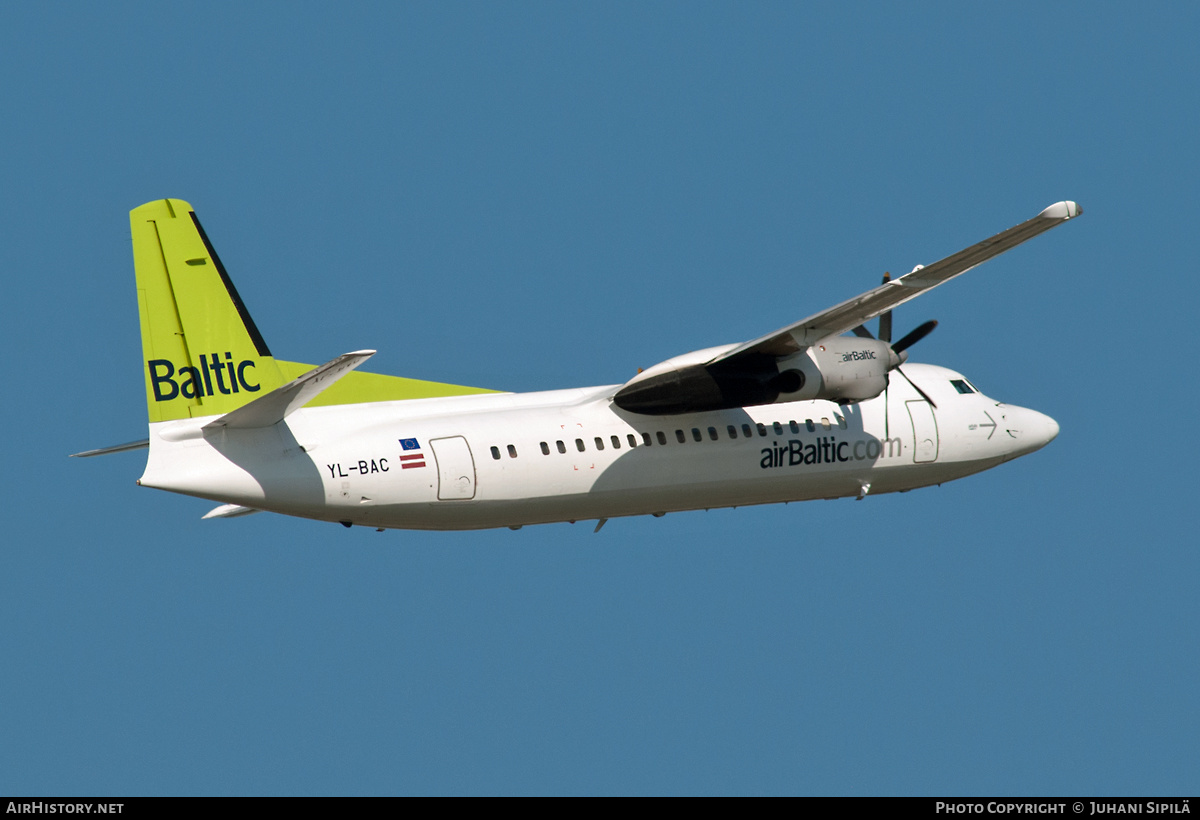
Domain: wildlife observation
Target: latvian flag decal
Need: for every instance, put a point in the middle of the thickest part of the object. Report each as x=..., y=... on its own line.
x=412, y=455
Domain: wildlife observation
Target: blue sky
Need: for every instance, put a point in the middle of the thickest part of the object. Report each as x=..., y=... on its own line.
x=532, y=196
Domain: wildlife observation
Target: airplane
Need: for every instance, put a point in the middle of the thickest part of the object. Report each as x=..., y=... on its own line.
x=805, y=412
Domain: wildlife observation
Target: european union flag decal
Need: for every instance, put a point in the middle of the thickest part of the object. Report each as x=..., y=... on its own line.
x=410, y=459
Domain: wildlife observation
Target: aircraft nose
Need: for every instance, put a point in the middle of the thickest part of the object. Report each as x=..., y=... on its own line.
x=1052, y=428
x=1035, y=430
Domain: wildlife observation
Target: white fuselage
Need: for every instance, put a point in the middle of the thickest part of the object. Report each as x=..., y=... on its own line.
x=512, y=459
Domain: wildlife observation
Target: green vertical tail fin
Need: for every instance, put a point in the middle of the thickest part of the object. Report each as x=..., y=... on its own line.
x=201, y=351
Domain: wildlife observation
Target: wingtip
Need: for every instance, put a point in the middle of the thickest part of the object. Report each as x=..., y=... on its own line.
x=1062, y=210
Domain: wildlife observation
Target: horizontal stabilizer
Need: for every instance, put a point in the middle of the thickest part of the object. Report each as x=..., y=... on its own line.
x=279, y=403
x=228, y=511
x=118, y=448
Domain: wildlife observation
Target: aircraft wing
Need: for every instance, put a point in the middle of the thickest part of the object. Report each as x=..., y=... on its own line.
x=749, y=374
x=853, y=312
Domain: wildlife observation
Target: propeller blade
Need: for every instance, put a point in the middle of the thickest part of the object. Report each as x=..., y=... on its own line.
x=915, y=336
x=862, y=332
x=885, y=318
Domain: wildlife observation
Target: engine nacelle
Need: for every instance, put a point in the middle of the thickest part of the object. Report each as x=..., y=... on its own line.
x=840, y=368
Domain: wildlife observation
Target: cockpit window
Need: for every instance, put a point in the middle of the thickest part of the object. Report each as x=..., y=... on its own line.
x=963, y=386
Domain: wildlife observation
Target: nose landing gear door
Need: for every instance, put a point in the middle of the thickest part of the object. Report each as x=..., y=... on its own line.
x=456, y=468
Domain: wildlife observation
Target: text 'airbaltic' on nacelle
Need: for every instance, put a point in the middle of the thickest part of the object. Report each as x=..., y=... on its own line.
x=843, y=369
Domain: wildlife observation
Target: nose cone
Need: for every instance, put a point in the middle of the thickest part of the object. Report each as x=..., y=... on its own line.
x=1033, y=430
x=1051, y=425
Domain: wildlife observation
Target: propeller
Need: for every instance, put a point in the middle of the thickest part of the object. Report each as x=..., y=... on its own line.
x=885, y=330
x=885, y=318
x=908, y=340
x=914, y=336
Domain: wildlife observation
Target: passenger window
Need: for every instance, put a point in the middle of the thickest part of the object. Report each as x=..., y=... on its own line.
x=545, y=449
x=732, y=431
x=512, y=451
x=662, y=437
x=746, y=431
x=496, y=453
x=632, y=441
x=616, y=441
x=562, y=448
x=712, y=433
x=778, y=429
x=841, y=420
x=599, y=443
x=795, y=428
x=680, y=437
x=696, y=434
x=646, y=439
x=579, y=445
x=762, y=429
x=825, y=424
x=812, y=428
